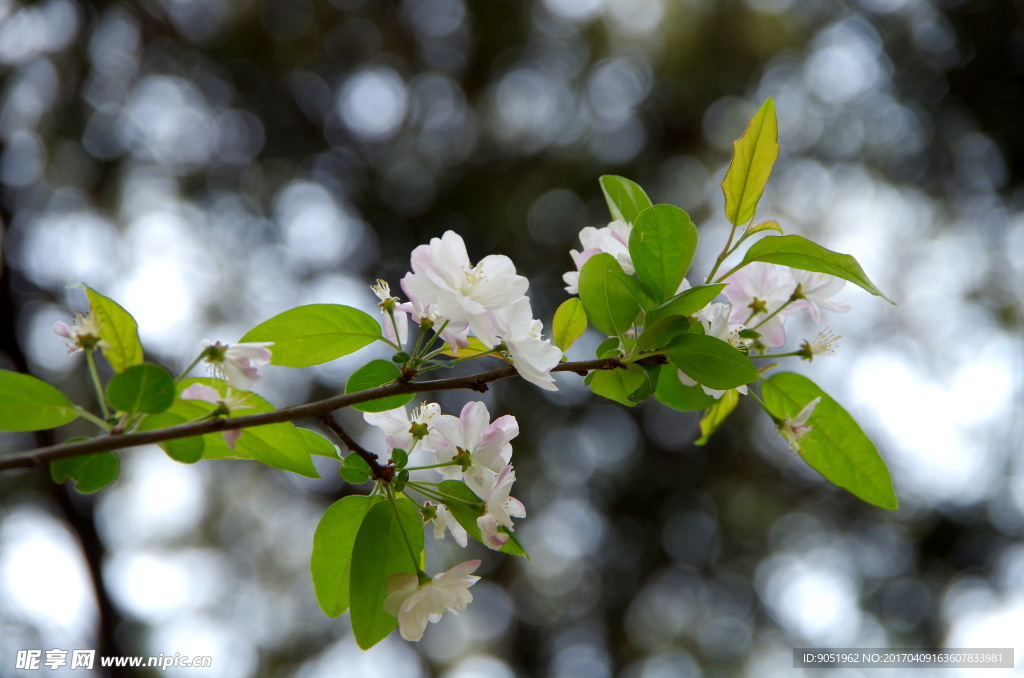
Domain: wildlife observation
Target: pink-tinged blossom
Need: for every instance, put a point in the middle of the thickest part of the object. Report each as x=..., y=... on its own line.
x=817, y=290
x=394, y=320
x=758, y=291
x=534, y=357
x=796, y=428
x=417, y=602
x=486, y=445
x=237, y=363
x=572, y=278
x=443, y=281
x=84, y=332
x=403, y=429
x=499, y=509
x=228, y=403
x=717, y=323
x=613, y=239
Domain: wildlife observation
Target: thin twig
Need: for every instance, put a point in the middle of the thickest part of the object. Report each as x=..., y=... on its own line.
x=369, y=457
x=314, y=410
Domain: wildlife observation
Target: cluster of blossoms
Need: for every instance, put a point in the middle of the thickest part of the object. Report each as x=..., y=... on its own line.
x=469, y=448
x=448, y=293
x=760, y=297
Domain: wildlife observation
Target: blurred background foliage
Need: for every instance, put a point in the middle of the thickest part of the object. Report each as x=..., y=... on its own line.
x=209, y=163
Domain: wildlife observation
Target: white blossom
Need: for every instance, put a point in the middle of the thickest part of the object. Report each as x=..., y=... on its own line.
x=533, y=356
x=237, y=363
x=443, y=281
x=415, y=603
x=84, y=332
x=816, y=291
x=499, y=509
x=613, y=239
x=394, y=320
x=444, y=520
x=401, y=427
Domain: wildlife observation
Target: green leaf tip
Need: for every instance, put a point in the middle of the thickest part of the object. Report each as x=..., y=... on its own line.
x=626, y=200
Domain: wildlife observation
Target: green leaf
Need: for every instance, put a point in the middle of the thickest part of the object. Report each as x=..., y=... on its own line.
x=753, y=155
x=184, y=450
x=609, y=305
x=28, y=403
x=91, y=472
x=315, y=334
x=711, y=362
x=381, y=550
x=626, y=200
x=331, y=561
x=283, y=445
x=618, y=384
x=643, y=294
x=609, y=348
x=118, y=330
x=144, y=387
x=661, y=246
x=513, y=546
x=798, y=252
x=687, y=302
x=355, y=470
x=569, y=323
x=769, y=225
x=661, y=332
x=466, y=507
x=835, y=447
x=673, y=393
x=371, y=375
x=399, y=457
x=318, y=445
x=717, y=414
x=648, y=386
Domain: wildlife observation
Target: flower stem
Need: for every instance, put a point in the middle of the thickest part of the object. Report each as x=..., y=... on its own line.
x=184, y=372
x=770, y=315
x=441, y=465
x=401, y=528
x=90, y=359
x=86, y=414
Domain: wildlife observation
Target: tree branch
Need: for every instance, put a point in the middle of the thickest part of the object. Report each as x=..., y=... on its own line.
x=376, y=468
x=314, y=410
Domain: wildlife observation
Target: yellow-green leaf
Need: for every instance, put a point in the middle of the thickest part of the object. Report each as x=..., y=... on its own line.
x=569, y=323
x=753, y=156
x=28, y=403
x=717, y=414
x=118, y=330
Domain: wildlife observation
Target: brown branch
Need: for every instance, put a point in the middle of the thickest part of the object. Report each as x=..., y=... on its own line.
x=370, y=458
x=314, y=410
